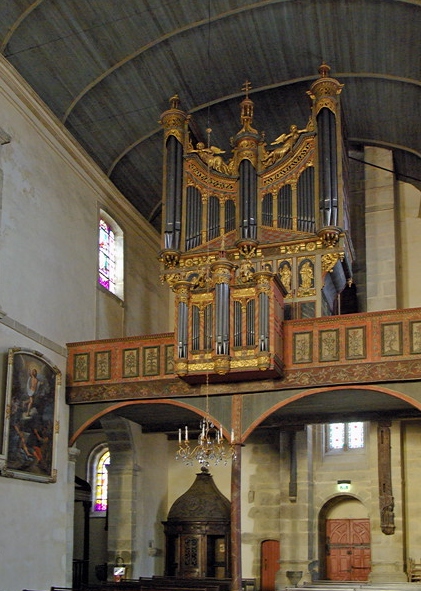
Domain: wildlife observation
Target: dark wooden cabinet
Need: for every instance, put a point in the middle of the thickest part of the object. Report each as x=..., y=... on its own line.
x=198, y=532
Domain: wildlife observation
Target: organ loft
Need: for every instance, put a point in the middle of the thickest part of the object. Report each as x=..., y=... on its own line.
x=255, y=238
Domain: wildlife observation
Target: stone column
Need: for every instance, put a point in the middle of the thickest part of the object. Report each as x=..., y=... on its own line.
x=380, y=227
x=73, y=454
x=295, y=526
x=236, y=573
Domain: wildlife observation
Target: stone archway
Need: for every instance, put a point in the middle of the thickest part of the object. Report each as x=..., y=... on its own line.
x=344, y=540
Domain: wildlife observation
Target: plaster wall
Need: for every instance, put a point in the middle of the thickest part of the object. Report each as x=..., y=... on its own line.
x=32, y=511
x=50, y=197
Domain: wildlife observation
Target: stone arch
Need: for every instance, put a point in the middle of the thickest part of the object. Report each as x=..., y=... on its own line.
x=100, y=414
x=315, y=391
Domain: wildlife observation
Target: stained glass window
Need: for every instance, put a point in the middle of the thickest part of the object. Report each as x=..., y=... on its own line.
x=345, y=436
x=107, y=257
x=355, y=435
x=101, y=484
x=336, y=435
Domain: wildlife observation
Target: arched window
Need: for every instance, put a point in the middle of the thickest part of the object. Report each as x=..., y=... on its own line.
x=98, y=463
x=345, y=436
x=110, y=252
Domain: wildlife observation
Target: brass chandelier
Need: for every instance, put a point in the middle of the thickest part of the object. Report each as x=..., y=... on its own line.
x=211, y=446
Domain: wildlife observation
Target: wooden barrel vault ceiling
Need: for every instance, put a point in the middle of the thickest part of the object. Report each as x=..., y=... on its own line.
x=107, y=68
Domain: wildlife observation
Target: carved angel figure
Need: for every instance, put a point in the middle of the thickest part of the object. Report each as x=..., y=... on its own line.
x=287, y=141
x=211, y=157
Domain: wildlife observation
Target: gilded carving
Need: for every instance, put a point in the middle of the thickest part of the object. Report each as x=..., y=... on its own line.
x=290, y=163
x=170, y=258
x=329, y=260
x=288, y=141
x=300, y=247
x=245, y=272
x=211, y=180
x=182, y=291
x=306, y=277
x=285, y=274
x=248, y=292
x=263, y=361
x=238, y=363
x=196, y=367
x=181, y=368
x=211, y=156
x=221, y=364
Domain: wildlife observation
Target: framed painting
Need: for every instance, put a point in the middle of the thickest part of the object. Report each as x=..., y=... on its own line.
x=130, y=363
x=31, y=417
x=169, y=359
x=81, y=367
x=415, y=336
x=303, y=347
x=150, y=361
x=102, y=365
x=355, y=342
x=391, y=338
x=329, y=345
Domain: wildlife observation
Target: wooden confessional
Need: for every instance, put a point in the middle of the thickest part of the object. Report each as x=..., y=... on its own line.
x=197, y=532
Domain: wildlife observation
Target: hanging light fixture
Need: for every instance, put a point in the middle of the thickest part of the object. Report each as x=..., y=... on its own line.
x=211, y=446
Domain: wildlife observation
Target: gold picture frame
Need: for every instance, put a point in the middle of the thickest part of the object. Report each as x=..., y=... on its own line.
x=31, y=417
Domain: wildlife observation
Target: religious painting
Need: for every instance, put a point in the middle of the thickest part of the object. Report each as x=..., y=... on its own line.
x=355, y=342
x=285, y=275
x=31, y=416
x=303, y=347
x=169, y=358
x=130, y=363
x=415, y=336
x=102, y=365
x=306, y=277
x=150, y=361
x=329, y=345
x=391, y=338
x=81, y=367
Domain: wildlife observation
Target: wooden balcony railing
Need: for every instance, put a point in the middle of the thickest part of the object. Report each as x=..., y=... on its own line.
x=356, y=348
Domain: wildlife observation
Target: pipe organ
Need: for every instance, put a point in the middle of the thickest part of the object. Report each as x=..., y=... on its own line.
x=254, y=239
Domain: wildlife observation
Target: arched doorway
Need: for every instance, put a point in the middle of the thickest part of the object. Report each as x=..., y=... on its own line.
x=344, y=528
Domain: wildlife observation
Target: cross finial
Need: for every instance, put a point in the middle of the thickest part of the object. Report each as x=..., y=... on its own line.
x=246, y=87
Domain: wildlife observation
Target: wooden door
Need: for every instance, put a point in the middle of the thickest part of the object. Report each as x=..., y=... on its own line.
x=269, y=564
x=348, y=554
